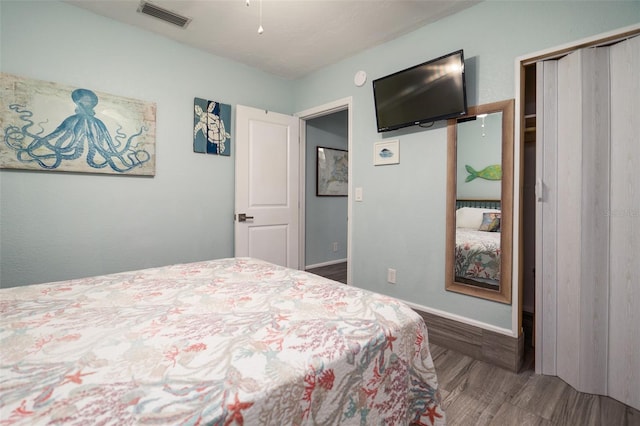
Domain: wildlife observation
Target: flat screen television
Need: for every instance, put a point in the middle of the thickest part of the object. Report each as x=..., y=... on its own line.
x=431, y=91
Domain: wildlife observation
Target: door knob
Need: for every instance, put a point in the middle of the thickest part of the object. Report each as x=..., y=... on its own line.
x=242, y=217
x=538, y=189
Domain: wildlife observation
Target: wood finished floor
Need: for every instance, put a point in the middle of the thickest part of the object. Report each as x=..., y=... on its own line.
x=336, y=272
x=475, y=393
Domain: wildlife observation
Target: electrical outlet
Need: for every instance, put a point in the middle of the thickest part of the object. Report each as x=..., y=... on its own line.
x=391, y=276
x=335, y=246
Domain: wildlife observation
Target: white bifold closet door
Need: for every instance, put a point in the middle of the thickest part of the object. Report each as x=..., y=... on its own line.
x=588, y=220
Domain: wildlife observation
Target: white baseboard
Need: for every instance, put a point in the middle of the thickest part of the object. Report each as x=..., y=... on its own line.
x=331, y=262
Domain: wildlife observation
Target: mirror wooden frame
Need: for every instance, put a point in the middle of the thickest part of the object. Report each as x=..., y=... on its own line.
x=502, y=295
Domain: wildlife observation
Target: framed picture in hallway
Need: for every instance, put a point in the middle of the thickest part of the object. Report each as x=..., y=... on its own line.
x=332, y=169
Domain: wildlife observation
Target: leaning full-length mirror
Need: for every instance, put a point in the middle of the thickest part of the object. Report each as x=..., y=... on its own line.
x=480, y=202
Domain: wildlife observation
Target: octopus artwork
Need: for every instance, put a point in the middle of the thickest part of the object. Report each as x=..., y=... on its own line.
x=80, y=137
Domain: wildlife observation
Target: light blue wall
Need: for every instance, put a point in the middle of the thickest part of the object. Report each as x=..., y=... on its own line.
x=326, y=217
x=479, y=147
x=401, y=221
x=57, y=226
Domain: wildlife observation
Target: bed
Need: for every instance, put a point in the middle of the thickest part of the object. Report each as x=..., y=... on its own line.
x=224, y=342
x=478, y=242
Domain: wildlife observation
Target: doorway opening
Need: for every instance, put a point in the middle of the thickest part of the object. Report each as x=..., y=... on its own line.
x=325, y=232
x=528, y=217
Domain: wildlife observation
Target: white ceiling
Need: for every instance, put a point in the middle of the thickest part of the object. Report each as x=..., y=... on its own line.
x=300, y=36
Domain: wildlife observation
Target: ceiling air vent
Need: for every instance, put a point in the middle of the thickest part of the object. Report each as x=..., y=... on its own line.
x=164, y=14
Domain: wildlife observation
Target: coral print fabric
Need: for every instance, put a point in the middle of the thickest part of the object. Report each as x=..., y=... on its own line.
x=477, y=254
x=225, y=342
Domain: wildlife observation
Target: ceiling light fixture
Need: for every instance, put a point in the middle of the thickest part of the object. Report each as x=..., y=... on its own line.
x=260, y=29
x=482, y=116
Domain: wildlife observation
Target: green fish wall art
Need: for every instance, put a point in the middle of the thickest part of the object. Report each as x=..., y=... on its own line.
x=493, y=172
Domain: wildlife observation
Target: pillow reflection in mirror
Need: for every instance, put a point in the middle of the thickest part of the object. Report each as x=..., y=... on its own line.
x=490, y=222
x=471, y=217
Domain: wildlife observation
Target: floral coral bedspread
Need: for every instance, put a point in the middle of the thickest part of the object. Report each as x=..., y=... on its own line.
x=224, y=342
x=477, y=254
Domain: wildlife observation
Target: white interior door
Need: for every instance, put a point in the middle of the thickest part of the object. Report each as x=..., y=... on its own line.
x=267, y=186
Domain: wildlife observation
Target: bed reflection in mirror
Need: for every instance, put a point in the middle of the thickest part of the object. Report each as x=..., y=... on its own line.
x=479, y=202
x=478, y=181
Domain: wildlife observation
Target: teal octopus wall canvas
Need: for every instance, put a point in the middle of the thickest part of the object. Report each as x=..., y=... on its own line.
x=53, y=127
x=210, y=123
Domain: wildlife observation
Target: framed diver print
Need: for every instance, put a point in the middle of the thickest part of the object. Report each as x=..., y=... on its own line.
x=52, y=127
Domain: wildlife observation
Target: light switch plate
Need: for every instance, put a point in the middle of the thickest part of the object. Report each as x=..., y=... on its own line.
x=359, y=194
